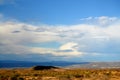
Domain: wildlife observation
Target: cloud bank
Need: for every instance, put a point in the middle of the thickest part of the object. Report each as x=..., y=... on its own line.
x=97, y=36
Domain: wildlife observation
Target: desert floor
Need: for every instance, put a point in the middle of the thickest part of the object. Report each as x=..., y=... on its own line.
x=60, y=74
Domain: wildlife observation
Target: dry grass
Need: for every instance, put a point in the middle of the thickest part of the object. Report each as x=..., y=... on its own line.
x=60, y=74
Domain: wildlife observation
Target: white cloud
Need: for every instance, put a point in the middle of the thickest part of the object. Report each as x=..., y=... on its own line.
x=68, y=49
x=42, y=50
x=68, y=46
x=101, y=21
x=76, y=40
x=13, y=49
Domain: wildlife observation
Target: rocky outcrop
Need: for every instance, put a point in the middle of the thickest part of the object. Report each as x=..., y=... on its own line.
x=44, y=67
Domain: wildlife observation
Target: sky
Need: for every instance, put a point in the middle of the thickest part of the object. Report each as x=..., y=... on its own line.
x=60, y=30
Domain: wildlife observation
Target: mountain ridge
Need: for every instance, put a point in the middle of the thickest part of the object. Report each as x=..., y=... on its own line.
x=64, y=64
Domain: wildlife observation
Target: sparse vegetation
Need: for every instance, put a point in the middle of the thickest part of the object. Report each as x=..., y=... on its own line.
x=60, y=74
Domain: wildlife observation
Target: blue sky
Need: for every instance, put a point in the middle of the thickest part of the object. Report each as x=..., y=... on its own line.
x=54, y=30
x=58, y=11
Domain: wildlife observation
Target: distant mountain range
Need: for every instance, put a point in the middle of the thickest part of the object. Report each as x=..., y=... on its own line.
x=101, y=65
x=65, y=64
x=16, y=64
